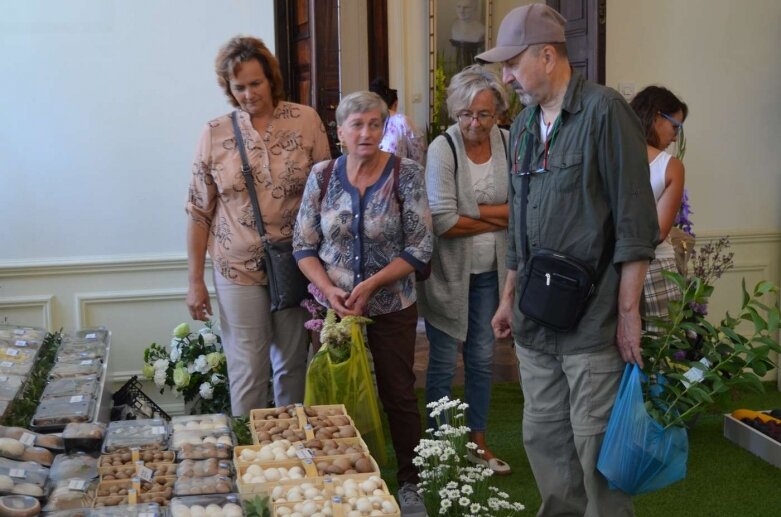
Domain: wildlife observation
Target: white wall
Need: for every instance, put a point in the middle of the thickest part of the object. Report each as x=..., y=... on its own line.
x=101, y=104
x=721, y=57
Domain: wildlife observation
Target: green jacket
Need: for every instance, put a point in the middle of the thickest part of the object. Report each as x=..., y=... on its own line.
x=596, y=193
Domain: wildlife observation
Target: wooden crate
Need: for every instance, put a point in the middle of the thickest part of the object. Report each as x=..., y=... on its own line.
x=310, y=473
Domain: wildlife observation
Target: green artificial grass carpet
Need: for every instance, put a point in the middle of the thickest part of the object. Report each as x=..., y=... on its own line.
x=723, y=479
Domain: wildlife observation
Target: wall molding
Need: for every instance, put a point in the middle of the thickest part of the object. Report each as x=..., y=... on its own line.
x=94, y=265
x=742, y=236
x=43, y=302
x=84, y=300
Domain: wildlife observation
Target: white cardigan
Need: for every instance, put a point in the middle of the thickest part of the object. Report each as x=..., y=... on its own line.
x=443, y=299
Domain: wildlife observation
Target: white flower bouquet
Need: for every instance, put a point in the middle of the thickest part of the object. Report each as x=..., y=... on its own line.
x=193, y=365
x=449, y=484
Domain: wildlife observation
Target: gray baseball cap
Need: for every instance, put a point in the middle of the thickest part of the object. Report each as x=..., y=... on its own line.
x=522, y=27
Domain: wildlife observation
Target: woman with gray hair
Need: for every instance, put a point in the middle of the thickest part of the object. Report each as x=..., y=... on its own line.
x=363, y=229
x=466, y=178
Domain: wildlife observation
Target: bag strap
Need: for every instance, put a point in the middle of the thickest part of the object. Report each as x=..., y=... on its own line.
x=326, y=179
x=452, y=148
x=246, y=171
x=608, y=249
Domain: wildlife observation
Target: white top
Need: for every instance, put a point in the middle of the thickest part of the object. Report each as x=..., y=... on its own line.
x=483, y=244
x=658, y=169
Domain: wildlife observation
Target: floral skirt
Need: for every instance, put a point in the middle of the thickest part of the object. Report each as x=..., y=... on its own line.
x=658, y=291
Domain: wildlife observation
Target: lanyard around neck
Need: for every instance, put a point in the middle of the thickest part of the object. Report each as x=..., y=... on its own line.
x=521, y=165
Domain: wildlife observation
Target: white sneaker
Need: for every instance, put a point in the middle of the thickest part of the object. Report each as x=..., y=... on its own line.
x=411, y=502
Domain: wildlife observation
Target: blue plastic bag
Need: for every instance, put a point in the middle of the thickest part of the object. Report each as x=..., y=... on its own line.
x=638, y=455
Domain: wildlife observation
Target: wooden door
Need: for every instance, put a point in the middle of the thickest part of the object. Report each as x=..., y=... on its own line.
x=585, y=32
x=307, y=47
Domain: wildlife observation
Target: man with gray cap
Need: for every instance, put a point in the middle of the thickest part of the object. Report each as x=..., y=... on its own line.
x=578, y=158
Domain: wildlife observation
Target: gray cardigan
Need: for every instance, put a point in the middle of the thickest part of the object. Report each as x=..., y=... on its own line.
x=443, y=299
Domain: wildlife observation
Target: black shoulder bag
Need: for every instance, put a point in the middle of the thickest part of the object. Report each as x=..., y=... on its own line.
x=286, y=283
x=556, y=287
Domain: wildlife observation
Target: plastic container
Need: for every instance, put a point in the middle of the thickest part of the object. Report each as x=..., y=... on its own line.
x=204, y=451
x=49, y=441
x=10, y=386
x=181, y=438
x=23, y=473
x=131, y=457
x=86, y=437
x=212, y=422
x=136, y=510
x=17, y=354
x=94, y=334
x=55, y=414
x=17, y=450
x=69, y=494
x=82, y=385
x=130, y=471
x=19, y=506
x=204, y=485
x=77, y=465
x=145, y=434
x=218, y=505
x=204, y=468
x=15, y=368
x=62, y=370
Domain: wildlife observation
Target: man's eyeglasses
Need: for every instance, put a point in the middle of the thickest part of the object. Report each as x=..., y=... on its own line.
x=678, y=126
x=466, y=117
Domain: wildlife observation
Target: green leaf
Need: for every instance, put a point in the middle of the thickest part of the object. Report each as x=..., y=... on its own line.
x=764, y=287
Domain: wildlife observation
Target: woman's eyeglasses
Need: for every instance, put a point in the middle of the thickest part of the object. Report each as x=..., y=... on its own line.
x=466, y=117
x=678, y=126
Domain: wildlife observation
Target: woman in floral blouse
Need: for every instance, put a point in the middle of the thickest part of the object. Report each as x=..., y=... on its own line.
x=364, y=228
x=283, y=140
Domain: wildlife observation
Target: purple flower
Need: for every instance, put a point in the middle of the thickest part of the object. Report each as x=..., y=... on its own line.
x=680, y=355
x=699, y=308
x=314, y=325
x=682, y=220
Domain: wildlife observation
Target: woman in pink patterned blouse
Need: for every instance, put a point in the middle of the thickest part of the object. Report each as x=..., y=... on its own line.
x=283, y=140
x=400, y=136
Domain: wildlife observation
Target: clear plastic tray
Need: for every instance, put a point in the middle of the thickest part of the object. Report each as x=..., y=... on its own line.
x=62, y=370
x=55, y=414
x=84, y=385
x=69, y=494
x=95, y=334
x=135, y=510
x=24, y=472
x=17, y=332
x=204, y=468
x=149, y=433
x=224, y=437
x=10, y=386
x=205, y=485
x=219, y=505
x=13, y=368
x=76, y=465
x=17, y=354
x=87, y=437
x=19, y=505
x=203, y=452
x=27, y=437
x=128, y=458
x=217, y=421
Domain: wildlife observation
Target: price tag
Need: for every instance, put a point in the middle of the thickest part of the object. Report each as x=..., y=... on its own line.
x=13, y=352
x=27, y=439
x=6, y=364
x=77, y=484
x=158, y=430
x=86, y=362
x=3, y=378
x=91, y=335
x=305, y=454
x=145, y=473
x=19, y=332
x=77, y=398
x=20, y=342
x=16, y=473
x=695, y=375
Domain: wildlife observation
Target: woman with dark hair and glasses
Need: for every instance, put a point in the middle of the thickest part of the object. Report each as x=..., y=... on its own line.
x=662, y=114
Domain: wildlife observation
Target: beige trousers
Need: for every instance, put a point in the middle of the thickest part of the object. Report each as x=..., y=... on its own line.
x=256, y=342
x=567, y=404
